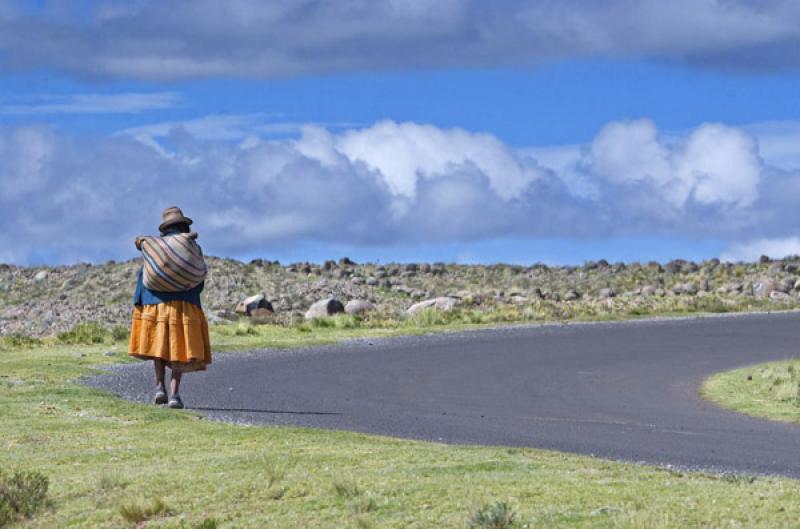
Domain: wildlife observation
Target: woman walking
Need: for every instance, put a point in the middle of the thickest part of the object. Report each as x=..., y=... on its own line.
x=169, y=326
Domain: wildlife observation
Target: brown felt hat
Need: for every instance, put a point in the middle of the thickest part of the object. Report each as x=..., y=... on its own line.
x=173, y=215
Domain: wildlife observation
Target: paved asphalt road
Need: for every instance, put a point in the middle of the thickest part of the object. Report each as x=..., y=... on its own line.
x=624, y=391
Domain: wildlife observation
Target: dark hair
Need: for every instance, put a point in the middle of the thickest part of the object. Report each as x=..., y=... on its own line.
x=180, y=227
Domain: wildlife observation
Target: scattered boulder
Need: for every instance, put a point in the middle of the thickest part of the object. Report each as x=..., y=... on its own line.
x=736, y=288
x=684, y=288
x=606, y=293
x=248, y=305
x=445, y=303
x=571, y=295
x=763, y=288
x=786, y=285
x=358, y=306
x=324, y=308
x=372, y=282
x=40, y=276
x=777, y=295
x=648, y=290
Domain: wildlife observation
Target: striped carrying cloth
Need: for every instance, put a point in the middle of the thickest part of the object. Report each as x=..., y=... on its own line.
x=173, y=263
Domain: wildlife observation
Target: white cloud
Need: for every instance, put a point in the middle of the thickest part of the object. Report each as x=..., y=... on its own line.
x=778, y=142
x=626, y=152
x=126, y=103
x=721, y=165
x=389, y=183
x=751, y=251
x=715, y=164
x=406, y=152
x=186, y=39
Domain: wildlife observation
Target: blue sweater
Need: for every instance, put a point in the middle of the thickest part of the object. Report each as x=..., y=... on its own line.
x=145, y=296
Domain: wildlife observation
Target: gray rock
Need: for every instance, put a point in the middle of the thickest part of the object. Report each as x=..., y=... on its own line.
x=777, y=295
x=357, y=280
x=648, y=290
x=734, y=287
x=684, y=288
x=324, y=308
x=775, y=266
x=40, y=276
x=571, y=295
x=358, y=306
x=606, y=293
x=763, y=288
x=372, y=282
x=786, y=285
x=442, y=303
x=248, y=305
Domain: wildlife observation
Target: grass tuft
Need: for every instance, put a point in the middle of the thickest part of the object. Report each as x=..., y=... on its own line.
x=363, y=504
x=346, y=488
x=496, y=516
x=85, y=334
x=19, y=341
x=21, y=495
x=137, y=512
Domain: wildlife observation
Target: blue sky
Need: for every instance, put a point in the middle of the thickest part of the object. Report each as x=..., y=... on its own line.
x=416, y=130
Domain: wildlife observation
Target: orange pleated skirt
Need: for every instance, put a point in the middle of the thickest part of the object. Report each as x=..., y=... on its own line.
x=175, y=332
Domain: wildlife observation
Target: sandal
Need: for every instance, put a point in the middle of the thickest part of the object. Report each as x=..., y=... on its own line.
x=160, y=397
x=175, y=403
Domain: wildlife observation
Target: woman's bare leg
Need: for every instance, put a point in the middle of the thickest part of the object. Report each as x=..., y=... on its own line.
x=158, y=364
x=176, y=382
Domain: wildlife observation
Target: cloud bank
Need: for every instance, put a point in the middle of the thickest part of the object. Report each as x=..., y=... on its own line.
x=63, y=198
x=184, y=39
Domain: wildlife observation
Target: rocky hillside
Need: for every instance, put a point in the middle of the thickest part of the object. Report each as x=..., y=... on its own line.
x=47, y=300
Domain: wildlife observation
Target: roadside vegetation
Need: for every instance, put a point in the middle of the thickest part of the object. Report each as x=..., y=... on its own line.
x=110, y=463
x=49, y=301
x=769, y=390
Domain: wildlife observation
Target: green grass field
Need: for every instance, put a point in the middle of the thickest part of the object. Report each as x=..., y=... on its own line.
x=112, y=463
x=769, y=390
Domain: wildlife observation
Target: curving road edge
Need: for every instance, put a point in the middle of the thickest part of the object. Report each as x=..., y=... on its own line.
x=624, y=391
